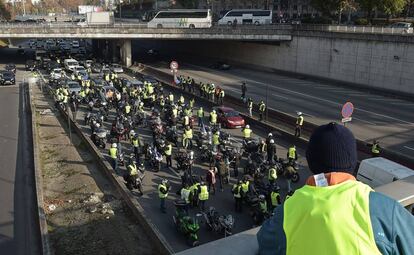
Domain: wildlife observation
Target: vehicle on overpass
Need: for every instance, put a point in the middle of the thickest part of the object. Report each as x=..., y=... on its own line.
x=191, y=18
x=249, y=16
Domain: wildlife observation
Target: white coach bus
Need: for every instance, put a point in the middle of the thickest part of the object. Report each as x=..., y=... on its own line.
x=249, y=16
x=182, y=19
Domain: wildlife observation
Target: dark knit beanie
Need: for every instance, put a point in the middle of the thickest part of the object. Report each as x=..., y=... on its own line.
x=332, y=148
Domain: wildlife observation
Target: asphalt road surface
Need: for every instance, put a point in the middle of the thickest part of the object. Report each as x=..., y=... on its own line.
x=19, y=231
x=222, y=201
x=387, y=119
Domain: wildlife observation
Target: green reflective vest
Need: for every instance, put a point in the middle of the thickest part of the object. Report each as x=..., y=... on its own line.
x=127, y=109
x=339, y=215
x=237, y=190
x=263, y=206
x=113, y=152
x=272, y=174
x=185, y=195
x=188, y=134
x=135, y=142
x=160, y=194
x=247, y=132
x=200, y=112
x=168, y=150
x=203, y=193
x=133, y=169
x=213, y=117
x=245, y=187
x=171, y=97
x=274, y=197
x=262, y=107
x=292, y=153
x=216, y=139
x=191, y=103
x=299, y=121
x=186, y=120
x=375, y=149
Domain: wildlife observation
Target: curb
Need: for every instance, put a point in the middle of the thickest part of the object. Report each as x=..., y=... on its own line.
x=45, y=245
x=161, y=243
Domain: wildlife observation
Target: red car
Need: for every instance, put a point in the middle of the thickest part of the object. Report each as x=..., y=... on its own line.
x=229, y=118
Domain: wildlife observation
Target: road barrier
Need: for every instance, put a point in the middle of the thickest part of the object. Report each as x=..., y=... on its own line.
x=118, y=182
x=286, y=123
x=44, y=236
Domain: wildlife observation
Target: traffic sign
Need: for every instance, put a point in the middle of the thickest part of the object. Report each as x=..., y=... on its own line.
x=347, y=110
x=344, y=120
x=174, y=65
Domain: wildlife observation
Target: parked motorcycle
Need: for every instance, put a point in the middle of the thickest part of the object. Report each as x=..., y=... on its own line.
x=185, y=224
x=218, y=223
x=288, y=169
x=99, y=137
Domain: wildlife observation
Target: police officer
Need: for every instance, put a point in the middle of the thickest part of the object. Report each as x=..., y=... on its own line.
x=271, y=151
x=237, y=194
x=163, y=189
x=262, y=109
x=299, y=124
x=203, y=195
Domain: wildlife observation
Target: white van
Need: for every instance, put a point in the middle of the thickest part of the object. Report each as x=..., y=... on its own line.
x=380, y=171
x=70, y=64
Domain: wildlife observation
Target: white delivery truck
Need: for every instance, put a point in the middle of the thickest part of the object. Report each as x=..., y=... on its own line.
x=98, y=18
x=380, y=171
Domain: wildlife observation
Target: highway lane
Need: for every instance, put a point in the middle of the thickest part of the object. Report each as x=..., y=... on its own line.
x=375, y=117
x=19, y=230
x=222, y=201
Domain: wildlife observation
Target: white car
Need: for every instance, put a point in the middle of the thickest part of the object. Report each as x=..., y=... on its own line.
x=116, y=68
x=56, y=74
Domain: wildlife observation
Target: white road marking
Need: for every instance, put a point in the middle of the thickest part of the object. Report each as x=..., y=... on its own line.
x=308, y=115
x=403, y=103
x=371, y=123
x=410, y=148
x=275, y=95
x=380, y=99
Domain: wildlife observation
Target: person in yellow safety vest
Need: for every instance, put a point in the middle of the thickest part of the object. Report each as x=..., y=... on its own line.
x=185, y=196
x=141, y=107
x=112, y=76
x=82, y=94
x=188, y=112
x=136, y=143
x=181, y=101
x=292, y=154
x=221, y=97
x=150, y=89
x=162, y=102
x=87, y=91
x=79, y=77
x=132, y=168
x=203, y=195
x=216, y=140
x=88, y=83
x=245, y=187
x=168, y=154
x=237, y=194
x=247, y=132
x=73, y=77
x=58, y=61
x=163, y=189
x=333, y=213
x=211, y=91
x=262, y=109
x=113, y=153
x=375, y=149
x=250, y=106
x=213, y=118
x=107, y=77
x=171, y=98
x=263, y=205
x=127, y=109
x=83, y=83
x=194, y=193
x=174, y=112
x=272, y=175
x=200, y=115
x=275, y=197
x=187, y=137
x=299, y=124
x=191, y=104
x=186, y=121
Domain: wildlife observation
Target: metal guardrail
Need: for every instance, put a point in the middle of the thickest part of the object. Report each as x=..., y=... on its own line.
x=269, y=29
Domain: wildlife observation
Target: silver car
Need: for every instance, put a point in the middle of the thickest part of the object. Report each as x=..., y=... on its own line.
x=74, y=86
x=116, y=68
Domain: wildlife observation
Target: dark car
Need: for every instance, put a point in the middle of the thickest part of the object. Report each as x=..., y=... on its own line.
x=229, y=118
x=98, y=82
x=221, y=66
x=96, y=68
x=10, y=68
x=7, y=78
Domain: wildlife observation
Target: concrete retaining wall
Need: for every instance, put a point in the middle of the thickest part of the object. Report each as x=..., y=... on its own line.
x=383, y=65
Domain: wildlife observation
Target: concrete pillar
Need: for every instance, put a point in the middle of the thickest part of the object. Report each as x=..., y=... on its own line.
x=126, y=52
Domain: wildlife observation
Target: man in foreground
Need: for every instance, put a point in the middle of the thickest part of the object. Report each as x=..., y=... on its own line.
x=333, y=213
